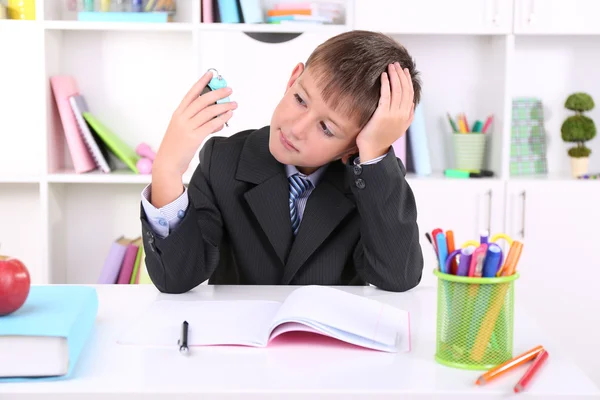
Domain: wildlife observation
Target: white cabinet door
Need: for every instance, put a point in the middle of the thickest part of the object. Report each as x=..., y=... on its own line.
x=434, y=16
x=557, y=16
x=559, y=224
x=467, y=207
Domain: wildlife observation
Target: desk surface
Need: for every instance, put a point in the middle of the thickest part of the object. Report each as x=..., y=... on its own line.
x=296, y=370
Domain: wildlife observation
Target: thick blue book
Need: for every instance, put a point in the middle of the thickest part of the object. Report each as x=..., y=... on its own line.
x=46, y=336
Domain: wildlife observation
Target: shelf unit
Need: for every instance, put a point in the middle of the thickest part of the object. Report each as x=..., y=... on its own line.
x=475, y=57
x=134, y=74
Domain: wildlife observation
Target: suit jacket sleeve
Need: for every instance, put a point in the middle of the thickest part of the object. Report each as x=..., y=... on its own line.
x=388, y=254
x=190, y=253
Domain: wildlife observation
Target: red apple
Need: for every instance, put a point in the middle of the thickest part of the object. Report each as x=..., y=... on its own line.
x=14, y=284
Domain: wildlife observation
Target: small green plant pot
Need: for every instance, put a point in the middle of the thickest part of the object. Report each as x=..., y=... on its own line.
x=475, y=320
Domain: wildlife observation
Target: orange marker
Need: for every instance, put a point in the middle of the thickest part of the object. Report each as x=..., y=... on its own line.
x=509, y=365
x=451, y=248
x=512, y=259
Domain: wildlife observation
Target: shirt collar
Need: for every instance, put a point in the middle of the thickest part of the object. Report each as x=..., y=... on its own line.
x=314, y=178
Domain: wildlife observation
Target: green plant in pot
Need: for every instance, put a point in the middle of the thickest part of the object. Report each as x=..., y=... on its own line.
x=579, y=129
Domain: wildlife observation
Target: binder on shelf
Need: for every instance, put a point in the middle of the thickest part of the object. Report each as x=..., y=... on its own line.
x=65, y=86
x=124, y=263
x=118, y=146
x=129, y=261
x=114, y=260
x=417, y=137
x=79, y=106
x=229, y=12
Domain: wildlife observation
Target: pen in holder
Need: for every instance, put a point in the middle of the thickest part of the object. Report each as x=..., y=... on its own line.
x=475, y=303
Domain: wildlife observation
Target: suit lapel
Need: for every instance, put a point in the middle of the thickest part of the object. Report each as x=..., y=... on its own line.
x=268, y=200
x=269, y=203
x=326, y=207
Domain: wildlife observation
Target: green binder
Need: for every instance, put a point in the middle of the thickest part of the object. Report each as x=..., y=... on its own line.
x=121, y=149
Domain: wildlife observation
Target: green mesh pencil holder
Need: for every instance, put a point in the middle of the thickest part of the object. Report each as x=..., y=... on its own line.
x=475, y=319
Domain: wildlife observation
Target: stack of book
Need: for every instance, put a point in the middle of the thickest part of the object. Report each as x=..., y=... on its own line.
x=281, y=12
x=124, y=263
x=320, y=12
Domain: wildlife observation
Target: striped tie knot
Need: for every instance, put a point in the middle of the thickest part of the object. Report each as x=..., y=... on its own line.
x=298, y=185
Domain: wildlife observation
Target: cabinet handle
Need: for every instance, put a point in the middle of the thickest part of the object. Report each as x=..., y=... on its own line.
x=523, y=216
x=489, y=219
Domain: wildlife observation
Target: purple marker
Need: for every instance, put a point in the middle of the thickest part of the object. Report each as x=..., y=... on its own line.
x=483, y=237
x=465, y=261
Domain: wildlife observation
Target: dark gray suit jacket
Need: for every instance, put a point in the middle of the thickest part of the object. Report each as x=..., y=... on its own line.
x=359, y=225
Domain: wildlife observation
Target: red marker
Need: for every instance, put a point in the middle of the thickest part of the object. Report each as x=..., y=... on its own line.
x=434, y=236
x=531, y=372
x=487, y=124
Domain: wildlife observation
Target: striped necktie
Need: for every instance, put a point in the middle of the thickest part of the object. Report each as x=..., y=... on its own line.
x=298, y=185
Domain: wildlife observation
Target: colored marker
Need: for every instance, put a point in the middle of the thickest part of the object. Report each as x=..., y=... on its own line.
x=533, y=370
x=483, y=237
x=442, y=250
x=428, y=236
x=493, y=260
x=434, y=236
x=451, y=248
x=476, y=267
x=509, y=365
x=465, y=261
x=512, y=259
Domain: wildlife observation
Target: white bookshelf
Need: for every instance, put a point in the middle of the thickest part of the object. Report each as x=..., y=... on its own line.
x=475, y=57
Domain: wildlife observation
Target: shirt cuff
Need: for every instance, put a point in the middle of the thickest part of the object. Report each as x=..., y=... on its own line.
x=165, y=219
x=373, y=161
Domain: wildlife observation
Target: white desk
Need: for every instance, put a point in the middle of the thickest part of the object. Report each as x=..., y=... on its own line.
x=291, y=371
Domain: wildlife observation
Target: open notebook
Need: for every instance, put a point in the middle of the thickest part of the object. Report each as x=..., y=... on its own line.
x=318, y=309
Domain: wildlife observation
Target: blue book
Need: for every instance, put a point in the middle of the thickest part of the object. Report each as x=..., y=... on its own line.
x=46, y=336
x=419, y=146
x=229, y=11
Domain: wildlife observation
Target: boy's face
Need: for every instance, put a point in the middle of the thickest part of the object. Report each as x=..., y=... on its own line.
x=305, y=131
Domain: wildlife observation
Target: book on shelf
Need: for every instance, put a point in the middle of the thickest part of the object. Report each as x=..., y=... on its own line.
x=63, y=87
x=148, y=11
x=319, y=311
x=91, y=143
x=252, y=12
x=124, y=263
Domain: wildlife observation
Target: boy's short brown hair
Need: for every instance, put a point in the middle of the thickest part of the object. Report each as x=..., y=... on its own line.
x=348, y=69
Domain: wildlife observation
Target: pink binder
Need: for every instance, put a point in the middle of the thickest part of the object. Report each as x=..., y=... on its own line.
x=207, y=11
x=63, y=87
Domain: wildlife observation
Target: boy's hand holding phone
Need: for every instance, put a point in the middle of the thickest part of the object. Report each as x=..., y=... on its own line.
x=393, y=115
x=196, y=117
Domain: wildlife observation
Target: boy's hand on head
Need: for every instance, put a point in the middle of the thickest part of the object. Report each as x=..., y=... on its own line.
x=195, y=118
x=393, y=115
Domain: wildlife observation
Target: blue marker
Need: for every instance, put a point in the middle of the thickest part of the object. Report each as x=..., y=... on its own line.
x=493, y=260
x=442, y=248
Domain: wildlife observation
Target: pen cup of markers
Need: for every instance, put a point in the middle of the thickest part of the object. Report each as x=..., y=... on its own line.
x=475, y=302
x=469, y=150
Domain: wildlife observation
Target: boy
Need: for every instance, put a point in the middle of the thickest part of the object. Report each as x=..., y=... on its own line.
x=316, y=197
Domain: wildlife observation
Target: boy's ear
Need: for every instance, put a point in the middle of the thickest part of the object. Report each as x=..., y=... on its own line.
x=298, y=69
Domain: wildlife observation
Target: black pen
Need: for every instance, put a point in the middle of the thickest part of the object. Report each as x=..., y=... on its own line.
x=183, y=342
